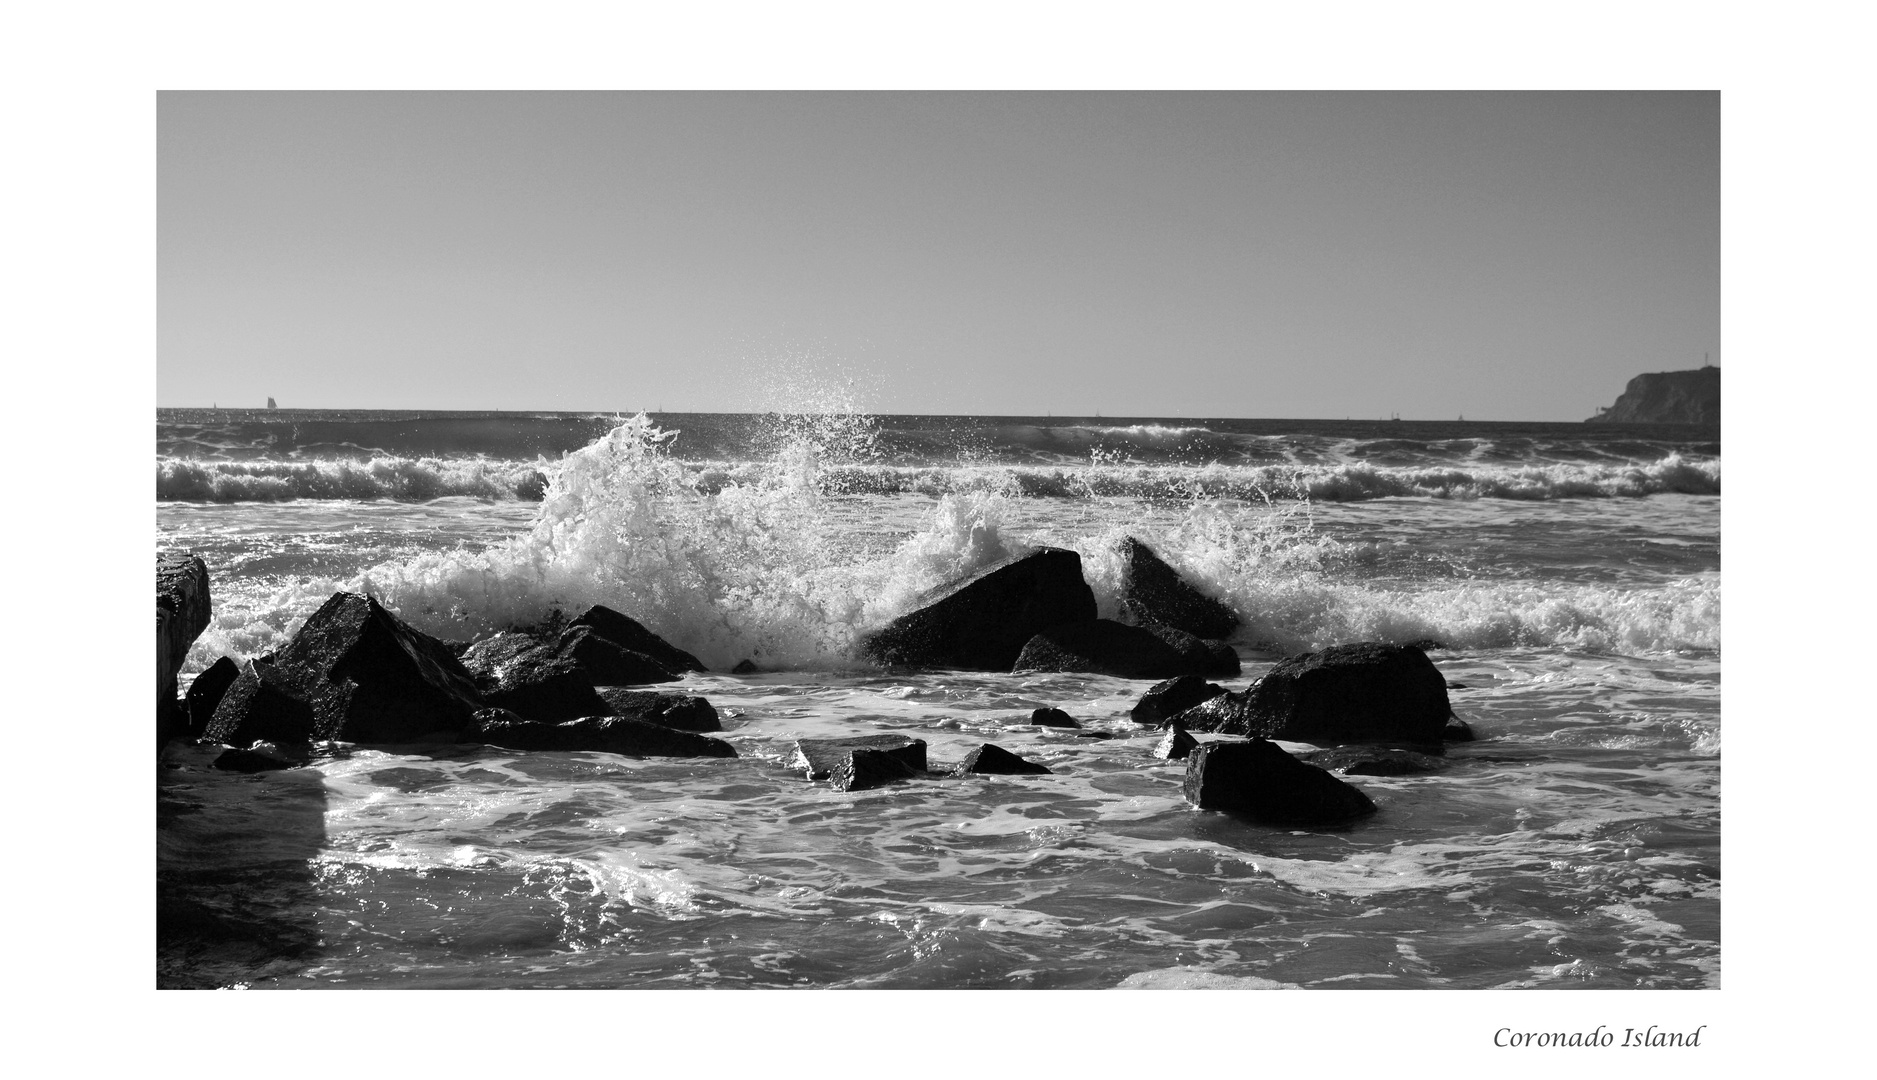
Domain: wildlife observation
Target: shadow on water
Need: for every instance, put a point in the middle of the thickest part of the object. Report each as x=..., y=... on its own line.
x=235, y=863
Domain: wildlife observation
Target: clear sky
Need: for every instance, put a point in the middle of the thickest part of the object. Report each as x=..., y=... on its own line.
x=1502, y=255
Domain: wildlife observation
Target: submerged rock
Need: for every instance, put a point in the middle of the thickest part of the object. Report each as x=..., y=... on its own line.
x=205, y=693
x=682, y=711
x=819, y=756
x=1168, y=698
x=983, y=620
x=627, y=633
x=1366, y=692
x=1259, y=779
x=1153, y=591
x=608, y=734
x=863, y=768
x=262, y=757
x=1053, y=718
x=1102, y=647
x=993, y=760
x=372, y=678
x=1374, y=761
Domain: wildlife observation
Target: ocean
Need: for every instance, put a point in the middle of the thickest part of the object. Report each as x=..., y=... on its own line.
x=1565, y=578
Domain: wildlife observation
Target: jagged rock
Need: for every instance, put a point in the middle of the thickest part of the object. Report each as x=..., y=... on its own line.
x=262, y=757
x=261, y=704
x=863, y=768
x=606, y=663
x=1200, y=657
x=609, y=734
x=1258, y=778
x=982, y=621
x=1102, y=647
x=627, y=633
x=1165, y=699
x=993, y=760
x=681, y=711
x=1374, y=761
x=1457, y=730
x=819, y=756
x=206, y=692
x=515, y=671
x=1053, y=718
x=1366, y=692
x=1176, y=744
x=1667, y=397
x=372, y=678
x=182, y=613
x=1153, y=591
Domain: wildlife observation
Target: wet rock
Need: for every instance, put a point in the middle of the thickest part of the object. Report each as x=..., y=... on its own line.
x=1102, y=647
x=1175, y=744
x=262, y=757
x=1163, y=700
x=182, y=613
x=517, y=672
x=1153, y=591
x=531, y=487
x=1053, y=718
x=745, y=667
x=206, y=692
x=1374, y=761
x=993, y=760
x=1457, y=730
x=1259, y=779
x=1366, y=692
x=372, y=678
x=863, y=768
x=606, y=663
x=1199, y=656
x=682, y=711
x=627, y=633
x=1451, y=685
x=608, y=734
x=983, y=620
x=818, y=757
x=261, y=704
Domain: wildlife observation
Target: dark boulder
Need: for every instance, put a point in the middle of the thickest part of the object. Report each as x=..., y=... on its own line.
x=1457, y=730
x=627, y=633
x=1052, y=718
x=682, y=711
x=606, y=663
x=818, y=757
x=608, y=734
x=982, y=621
x=993, y=760
x=1153, y=591
x=1176, y=744
x=1165, y=699
x=863, y=768
x=1102, y=647
x=1366, y=692
x=746, y=667
x=262, y=704
x=372, y=678
x=206, y=692
x=182, y=613
x=262, y=757
x=517, y=672
x=1259, y=779
x=1374, y=761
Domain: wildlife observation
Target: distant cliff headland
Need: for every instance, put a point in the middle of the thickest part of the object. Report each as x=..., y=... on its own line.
x=1667, y=397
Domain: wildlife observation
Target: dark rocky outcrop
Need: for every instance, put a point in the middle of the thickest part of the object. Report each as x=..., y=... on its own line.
x=863, y=768
x=1216, y=659
x=515, y=671
x=606, y=663
x=205, y=693
x=261, y=704
x=1176, y=744
x=628, y=634
x=608, y=734
x=1168, y=698
x=993, y=760
x=372, y=678
x=983, y=620
x=682, y=711
x=1102, y=647
x=1259, y=779
x=1374, y=761
x=819, y=756
x=1365, y=692
x=1053, y=718
x=182, y=613
x=1667, y=397
x=1152, y=591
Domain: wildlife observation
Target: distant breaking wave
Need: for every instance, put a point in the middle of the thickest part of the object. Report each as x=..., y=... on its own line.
x=422, y=479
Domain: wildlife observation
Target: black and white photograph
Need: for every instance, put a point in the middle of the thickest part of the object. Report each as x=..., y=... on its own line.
x=939, y=539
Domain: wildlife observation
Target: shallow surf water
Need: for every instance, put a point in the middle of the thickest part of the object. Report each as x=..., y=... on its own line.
x=1576, y=844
